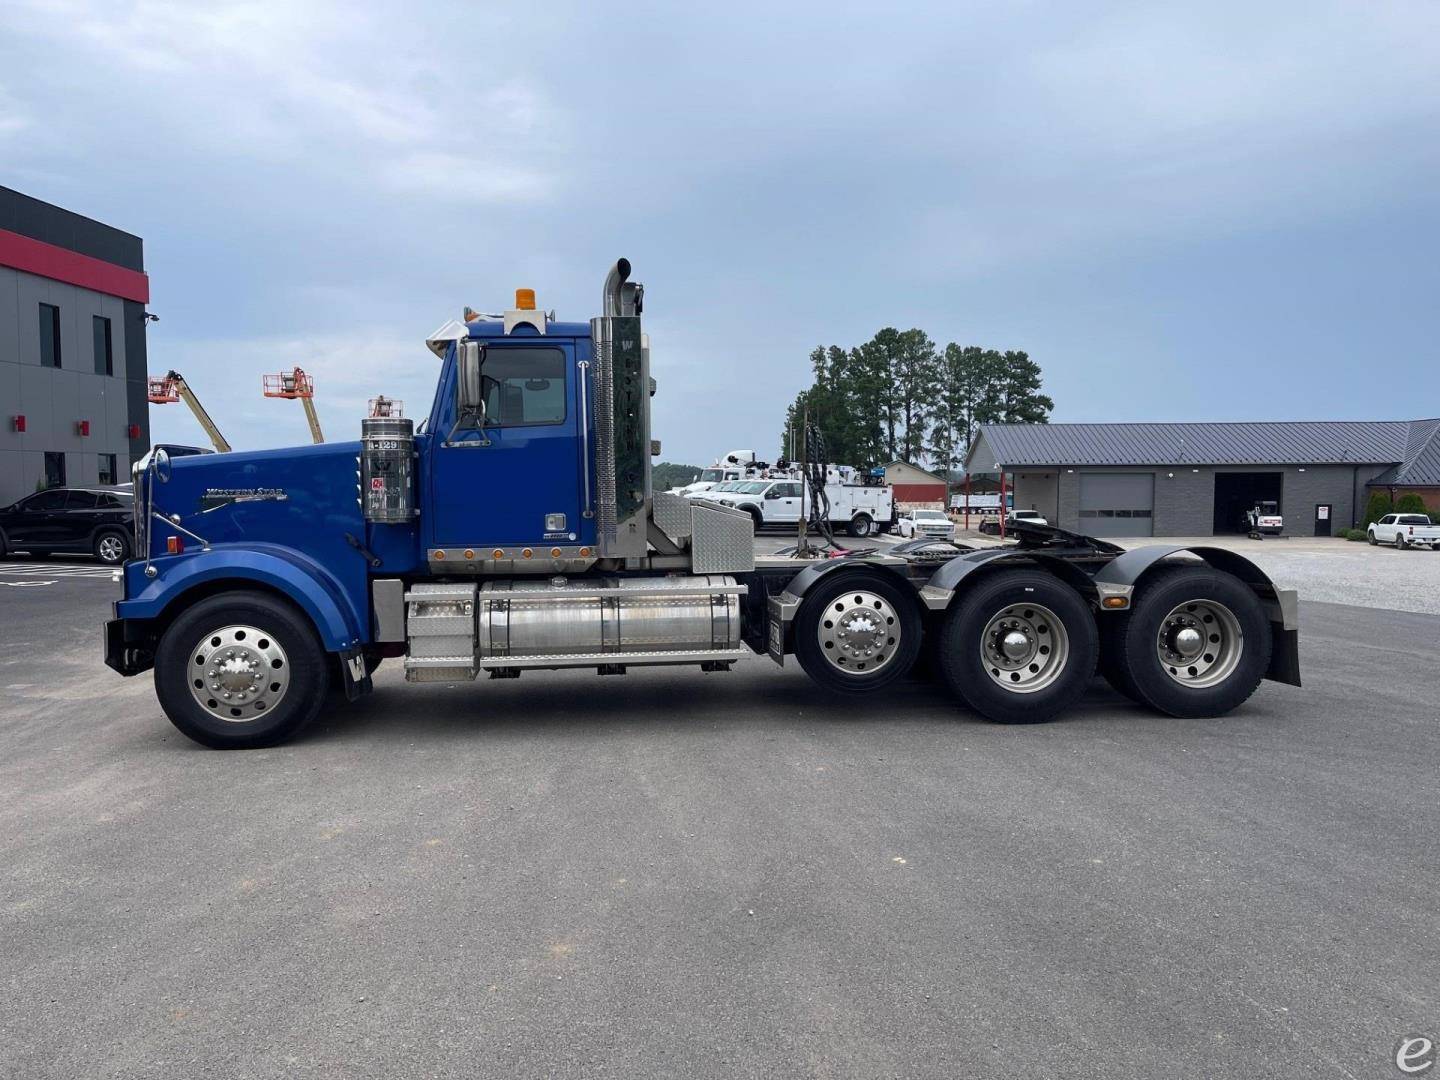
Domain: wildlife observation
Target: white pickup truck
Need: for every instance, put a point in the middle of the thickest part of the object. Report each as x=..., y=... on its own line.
x=1405, y=530
x=860, y=509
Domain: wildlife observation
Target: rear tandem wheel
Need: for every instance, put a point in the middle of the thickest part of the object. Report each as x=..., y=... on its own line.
x=1195, y=643
x=858, y=631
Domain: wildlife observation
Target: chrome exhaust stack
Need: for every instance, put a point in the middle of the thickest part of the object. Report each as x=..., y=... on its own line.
x=622, y=419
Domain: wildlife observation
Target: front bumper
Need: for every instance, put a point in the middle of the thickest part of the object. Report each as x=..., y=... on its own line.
x=129, y=648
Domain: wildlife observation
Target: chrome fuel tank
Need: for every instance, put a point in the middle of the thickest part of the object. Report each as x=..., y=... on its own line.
x=583, y=622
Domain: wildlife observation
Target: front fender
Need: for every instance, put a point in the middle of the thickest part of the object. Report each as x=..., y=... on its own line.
x=311, y=586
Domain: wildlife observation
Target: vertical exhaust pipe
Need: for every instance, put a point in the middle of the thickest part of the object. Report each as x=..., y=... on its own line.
x=614, y=283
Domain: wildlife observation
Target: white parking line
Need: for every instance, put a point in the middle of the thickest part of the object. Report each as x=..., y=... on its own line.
x=54, y=570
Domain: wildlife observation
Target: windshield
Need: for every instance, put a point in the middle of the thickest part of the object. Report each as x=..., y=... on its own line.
x=754, y=487
x=930, y=515
x=728, y=485
x=711, y=475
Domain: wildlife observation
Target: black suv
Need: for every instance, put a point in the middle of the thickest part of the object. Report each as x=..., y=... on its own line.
x=97, y=520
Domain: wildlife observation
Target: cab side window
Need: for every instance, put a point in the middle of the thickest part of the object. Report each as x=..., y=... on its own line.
x=524, y=387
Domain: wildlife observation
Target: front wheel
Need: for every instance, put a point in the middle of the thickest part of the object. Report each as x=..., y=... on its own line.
x=858, y=631
x=1019, y=648
x=1195, y=643
x=240, y=670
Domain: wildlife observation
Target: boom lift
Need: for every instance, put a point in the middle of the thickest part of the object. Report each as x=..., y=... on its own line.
x=516, y=530
x=291, y=385
x=171, y=387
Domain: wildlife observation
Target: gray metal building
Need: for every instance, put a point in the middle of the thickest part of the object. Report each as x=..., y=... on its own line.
x=1198, y=479
x=73, y=406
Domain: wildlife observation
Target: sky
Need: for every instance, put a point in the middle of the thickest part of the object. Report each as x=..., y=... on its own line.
x=1205, y=211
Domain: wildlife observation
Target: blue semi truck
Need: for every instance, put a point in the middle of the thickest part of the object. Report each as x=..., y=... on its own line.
x=516, y=530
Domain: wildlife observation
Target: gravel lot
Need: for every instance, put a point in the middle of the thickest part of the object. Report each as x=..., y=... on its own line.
x=683, y=875
x=1338, y=571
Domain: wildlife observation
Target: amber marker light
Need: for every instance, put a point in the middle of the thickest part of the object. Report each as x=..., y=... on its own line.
x=584, y=553
x=525, y=299
x=439, y=555
x=1115, y=602
x=526, y=553
x=555, y=553
x=498, y=553
x=469, y=553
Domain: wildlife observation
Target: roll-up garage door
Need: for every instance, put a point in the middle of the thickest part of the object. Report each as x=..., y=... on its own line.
x=1117, y=504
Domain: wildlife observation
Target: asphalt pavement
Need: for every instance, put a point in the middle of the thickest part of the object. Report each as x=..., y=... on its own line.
x=677, y=874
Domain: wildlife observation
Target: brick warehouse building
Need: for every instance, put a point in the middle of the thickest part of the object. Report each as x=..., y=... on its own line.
x=73, y=291
x=1198, y=479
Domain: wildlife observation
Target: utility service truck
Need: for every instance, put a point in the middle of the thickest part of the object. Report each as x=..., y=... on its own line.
x=516, y=530
x=859, y=509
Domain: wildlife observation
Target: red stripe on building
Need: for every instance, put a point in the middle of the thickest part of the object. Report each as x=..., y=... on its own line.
x=36, y=257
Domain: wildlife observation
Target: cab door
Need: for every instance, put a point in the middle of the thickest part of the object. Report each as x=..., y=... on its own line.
x=517, y=480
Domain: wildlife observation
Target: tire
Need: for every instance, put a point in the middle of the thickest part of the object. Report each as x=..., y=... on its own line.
x=230, y=622
x=4, y=549
x=1113, y=627
x=112, y=547
x=1370, y=537
x=861, y=526
x=1025, y=687
x=1214, y=603
x=1400, y=544
x=755, y=516
x=845, y=599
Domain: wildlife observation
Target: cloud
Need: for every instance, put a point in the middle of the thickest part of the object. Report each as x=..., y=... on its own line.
x=348, y=370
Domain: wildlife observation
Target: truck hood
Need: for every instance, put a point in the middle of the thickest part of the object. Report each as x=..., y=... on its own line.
x=303, y=497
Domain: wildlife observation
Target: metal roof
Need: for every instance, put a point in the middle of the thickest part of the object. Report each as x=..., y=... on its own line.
x=1421, y=466
x=1282, y=442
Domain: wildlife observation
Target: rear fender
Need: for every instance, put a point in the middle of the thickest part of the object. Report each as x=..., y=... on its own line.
x=1129, y=569
x=959, y=574
x=309, y=585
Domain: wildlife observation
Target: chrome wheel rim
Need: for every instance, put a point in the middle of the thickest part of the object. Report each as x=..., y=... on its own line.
x=111, y=548
x=1199, y=644
x=859, y=633
x=238, y=673
x=1024, y=648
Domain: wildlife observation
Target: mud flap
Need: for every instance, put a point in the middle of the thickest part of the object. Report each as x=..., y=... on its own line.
x=355, y=680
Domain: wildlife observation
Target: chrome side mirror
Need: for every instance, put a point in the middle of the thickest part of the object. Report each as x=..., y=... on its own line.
x=471, y=359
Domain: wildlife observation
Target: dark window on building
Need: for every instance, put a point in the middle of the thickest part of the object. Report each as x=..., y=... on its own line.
x=54, y=469
x=107, y=468
x=49, y=335
x=104, y=354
